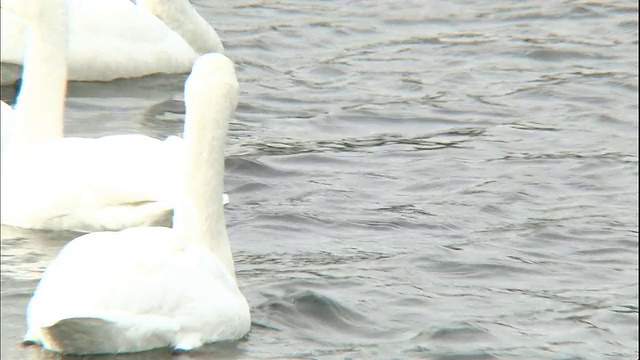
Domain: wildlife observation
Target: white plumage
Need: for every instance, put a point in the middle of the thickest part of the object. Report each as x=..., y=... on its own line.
x=144, y=288
x=57, y=183
x=111, y=39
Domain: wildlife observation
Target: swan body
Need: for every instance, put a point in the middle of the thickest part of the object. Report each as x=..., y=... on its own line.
x=7, y=122
x=151, y=287
x=86, y=185
x=111, y=39
x=56, y=183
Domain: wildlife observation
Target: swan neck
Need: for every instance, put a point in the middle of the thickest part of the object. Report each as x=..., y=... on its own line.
x=183, y=19
x=40, y=104
x=199, y=215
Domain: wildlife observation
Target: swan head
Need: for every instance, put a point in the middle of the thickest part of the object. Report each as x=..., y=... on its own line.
x=211, y=74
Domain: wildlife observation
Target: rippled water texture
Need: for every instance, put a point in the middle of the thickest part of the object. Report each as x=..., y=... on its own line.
x=409, y=179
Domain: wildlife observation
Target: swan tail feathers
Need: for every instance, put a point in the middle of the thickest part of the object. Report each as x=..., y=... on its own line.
x=92, y=335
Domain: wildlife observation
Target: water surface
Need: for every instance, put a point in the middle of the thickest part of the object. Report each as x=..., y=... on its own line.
x=408, y=180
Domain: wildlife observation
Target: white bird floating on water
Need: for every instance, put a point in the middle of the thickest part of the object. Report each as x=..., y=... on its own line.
x=111, y=39
x=56, y=183
x=151, y=287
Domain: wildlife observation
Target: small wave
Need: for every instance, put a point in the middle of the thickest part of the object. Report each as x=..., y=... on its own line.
x=254, y=168
x=317, y=317
x=461, y=334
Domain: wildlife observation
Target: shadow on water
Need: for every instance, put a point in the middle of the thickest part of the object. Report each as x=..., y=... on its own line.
x=223, y=350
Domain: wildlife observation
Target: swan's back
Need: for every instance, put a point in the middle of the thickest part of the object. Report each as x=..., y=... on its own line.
x=7, y=121
x=136, y=289
x=107, y=183
x=107, y=40
x=116, y=39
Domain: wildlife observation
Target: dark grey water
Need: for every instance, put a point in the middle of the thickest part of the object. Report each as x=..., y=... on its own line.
x=409, y=180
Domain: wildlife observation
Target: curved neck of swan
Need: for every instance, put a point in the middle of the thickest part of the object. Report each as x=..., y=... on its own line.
x=40, y=105
x=198, y=215
x=182, y=18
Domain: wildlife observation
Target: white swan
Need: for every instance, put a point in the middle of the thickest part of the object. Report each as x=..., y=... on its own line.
x=145, y=288
x=51, y=182
x=110, y=39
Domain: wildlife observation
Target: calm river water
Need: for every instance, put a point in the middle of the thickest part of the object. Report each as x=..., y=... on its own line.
x=408, y=179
